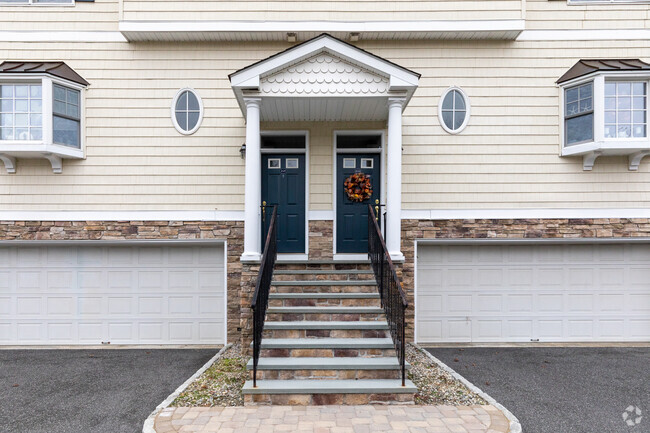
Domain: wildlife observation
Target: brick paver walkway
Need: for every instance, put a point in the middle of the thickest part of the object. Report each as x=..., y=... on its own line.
x=333, y=419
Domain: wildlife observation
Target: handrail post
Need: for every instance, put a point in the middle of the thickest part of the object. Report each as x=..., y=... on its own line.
x=262, y=288
x=403, y=360
x=255, y=358
x=393, y=299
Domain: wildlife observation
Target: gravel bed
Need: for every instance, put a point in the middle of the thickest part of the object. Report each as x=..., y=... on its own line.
x=221, y=384
x=436, y=386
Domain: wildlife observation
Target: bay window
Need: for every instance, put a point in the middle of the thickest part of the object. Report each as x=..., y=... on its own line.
x=605, y=110
x=40, y=114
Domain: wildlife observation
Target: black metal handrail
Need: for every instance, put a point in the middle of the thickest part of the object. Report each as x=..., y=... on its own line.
x=392, y=296
x=262, y=289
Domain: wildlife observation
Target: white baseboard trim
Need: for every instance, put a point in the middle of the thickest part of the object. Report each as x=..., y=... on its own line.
x=140, y=215
x=321, y=215
x=458, y=214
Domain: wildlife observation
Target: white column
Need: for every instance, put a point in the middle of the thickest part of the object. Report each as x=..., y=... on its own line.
x=253, y=182
x=394, y=179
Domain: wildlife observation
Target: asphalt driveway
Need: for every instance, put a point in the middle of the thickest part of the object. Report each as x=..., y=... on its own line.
x=561, y=390
x=83, y=391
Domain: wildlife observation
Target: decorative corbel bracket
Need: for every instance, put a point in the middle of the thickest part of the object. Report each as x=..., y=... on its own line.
x=9, y=162
x=56, y=161
x=589, y=159
x=635, y=159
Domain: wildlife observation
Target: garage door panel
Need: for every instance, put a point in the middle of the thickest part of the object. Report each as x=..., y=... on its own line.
x=534, y=292
x=640, y=328
x=640, y=302
x=123, y=295
x=612, y=302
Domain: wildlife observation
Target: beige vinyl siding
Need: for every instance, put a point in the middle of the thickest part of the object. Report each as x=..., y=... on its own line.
x=545, y=14
x=507, y=157
x=100, y=15
x=361, y=10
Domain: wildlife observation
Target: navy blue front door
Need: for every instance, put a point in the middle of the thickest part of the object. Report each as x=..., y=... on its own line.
x=283, y=184
x=352, y=217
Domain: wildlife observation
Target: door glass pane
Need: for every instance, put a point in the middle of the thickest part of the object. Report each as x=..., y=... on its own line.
x=367, y=163
x=291, y=163
x=349, y=163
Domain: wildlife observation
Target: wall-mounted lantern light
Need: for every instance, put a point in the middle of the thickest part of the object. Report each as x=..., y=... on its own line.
x=242, y=151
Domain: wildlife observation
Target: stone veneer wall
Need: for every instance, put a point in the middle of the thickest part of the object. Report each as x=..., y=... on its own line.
x=321, y=240
x=232, y=231
x=413, y=230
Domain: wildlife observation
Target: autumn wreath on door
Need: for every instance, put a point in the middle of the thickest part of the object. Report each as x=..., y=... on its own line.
x=358, y=187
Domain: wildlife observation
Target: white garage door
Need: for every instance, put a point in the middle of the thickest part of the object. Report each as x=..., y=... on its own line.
x=534, y=292
x=118, y=294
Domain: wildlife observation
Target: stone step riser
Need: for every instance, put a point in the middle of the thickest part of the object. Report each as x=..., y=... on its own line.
x=324, y=289
x=324, y=302
x=326, y=353
x=323, y=277
x=322, y=266
x=325, y=333
x=326, y=374
x=327, y=399
x=292, y=317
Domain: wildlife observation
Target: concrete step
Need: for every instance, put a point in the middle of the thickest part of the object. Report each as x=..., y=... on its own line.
x=314, y=386
x=326, y=364
x=323, y=272
x=318, y=324
x=302, y=295
x=324, y=310
x=326, y=343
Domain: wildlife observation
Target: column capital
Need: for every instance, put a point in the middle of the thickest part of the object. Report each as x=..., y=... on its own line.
x=253, y=102
x=399, y=102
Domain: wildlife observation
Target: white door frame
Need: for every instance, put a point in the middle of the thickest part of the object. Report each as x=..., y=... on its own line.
x=304, y=151
x=382, y=192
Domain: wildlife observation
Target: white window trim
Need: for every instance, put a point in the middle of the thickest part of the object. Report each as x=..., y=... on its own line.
x=173, y=111
x=635, y=148
x=31, y=3
x=605, y=2
x=467, y=110
x=45, y=148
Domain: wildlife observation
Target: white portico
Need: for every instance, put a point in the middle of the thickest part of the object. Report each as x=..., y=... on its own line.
x=323, y=80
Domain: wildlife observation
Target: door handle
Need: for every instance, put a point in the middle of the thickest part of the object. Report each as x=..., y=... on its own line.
x=377, y=209
x=263, y=212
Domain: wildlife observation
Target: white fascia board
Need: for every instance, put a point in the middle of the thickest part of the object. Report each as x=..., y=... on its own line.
x=464, y=214
x=247, y=77
x=61, y=36
x=433, y=26
x=584, y=35
x=121, y=215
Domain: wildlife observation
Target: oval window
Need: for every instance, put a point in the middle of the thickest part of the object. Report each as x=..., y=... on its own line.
x=453, y=110
x=187, y=111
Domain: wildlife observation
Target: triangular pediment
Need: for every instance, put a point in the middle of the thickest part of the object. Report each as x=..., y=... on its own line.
x=323, y=79
x=324, y=74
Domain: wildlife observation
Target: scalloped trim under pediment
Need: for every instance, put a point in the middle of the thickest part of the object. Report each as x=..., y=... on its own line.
x=324, y=74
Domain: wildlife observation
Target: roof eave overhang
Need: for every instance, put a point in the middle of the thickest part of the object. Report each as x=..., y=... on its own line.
x=635, y=73
x=8, y=76
x=277, y=30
